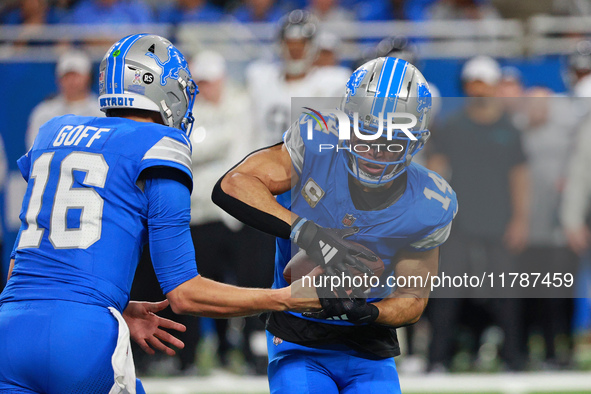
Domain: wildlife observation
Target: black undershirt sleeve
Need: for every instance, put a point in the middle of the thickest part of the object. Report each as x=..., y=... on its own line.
x=251, y=216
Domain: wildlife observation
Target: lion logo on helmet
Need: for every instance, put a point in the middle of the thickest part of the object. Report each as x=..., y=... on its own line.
x=423, y=100
x=170, y=68
x=354, y=82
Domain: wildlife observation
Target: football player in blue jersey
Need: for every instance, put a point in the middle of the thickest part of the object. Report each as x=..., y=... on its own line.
x=376, y=195
x=98, y=190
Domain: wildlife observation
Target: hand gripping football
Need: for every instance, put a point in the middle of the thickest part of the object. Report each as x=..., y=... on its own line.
x=301, y=264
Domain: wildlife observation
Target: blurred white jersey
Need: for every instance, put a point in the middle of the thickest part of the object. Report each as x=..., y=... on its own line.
x=58, y=106
x=221, y=137
x=271, y=95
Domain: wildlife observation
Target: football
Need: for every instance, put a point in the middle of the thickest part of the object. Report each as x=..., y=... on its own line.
x=301, y=265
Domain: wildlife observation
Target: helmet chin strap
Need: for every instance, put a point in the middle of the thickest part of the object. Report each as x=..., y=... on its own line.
x=372, y=185
x=187, y=124
x=361, y=174
x=407, y=161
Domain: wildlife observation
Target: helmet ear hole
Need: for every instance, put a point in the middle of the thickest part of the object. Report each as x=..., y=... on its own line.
x=173, y=98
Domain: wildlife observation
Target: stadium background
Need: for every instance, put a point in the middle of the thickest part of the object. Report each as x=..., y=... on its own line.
x=534, y=36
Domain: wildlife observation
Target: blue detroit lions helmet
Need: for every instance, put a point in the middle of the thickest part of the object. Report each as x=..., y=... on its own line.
x=380, y=87
x=145, y=71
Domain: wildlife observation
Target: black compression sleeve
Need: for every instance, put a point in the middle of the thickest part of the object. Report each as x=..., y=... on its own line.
x=249, y=215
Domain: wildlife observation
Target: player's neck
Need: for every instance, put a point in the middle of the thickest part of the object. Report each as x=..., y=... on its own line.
x=143, y=119
x=371, y=199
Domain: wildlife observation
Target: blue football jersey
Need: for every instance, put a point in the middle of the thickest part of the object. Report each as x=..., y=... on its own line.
x=418, y=221
x=84, y=215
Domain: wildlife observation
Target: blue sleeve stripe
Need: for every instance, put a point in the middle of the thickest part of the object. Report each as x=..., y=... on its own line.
x=167, y=158
x=172, y=150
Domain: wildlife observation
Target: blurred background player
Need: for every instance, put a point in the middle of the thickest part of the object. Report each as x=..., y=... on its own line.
x=489, y=230
x=329, y=45
x=73, y=77
x=575, y=208
x=271, y=85
x=541, y=116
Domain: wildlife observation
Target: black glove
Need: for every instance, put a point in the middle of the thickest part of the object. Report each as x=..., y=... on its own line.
x=354, y=310
x=327, y=247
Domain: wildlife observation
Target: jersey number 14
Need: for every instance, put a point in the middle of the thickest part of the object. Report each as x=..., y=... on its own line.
x=443, y=187
x=66, y=197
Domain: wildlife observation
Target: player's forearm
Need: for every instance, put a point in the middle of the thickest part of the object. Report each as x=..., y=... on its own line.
x=253, y=192
x=403, y=310
x=247, y=191
x=204, y=297
x=406, y=304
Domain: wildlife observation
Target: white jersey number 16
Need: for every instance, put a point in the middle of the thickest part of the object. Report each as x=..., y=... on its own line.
x=86, y=199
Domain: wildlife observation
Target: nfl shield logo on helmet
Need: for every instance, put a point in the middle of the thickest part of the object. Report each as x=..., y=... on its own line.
x=136, y=77
x=348, y=220
x=102, y=82
x=423, y=99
